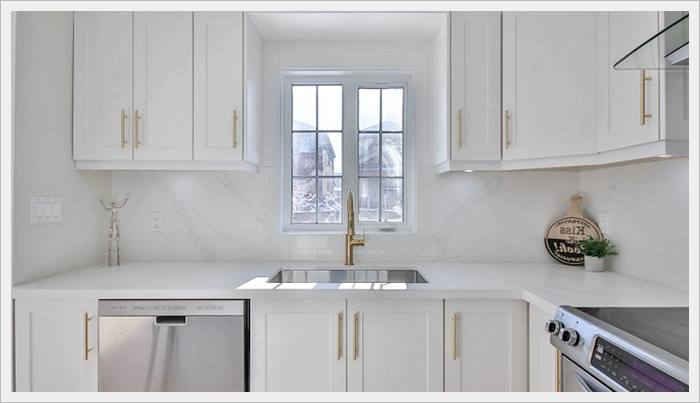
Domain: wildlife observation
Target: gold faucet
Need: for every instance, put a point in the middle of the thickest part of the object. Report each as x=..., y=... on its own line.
x=350, y=241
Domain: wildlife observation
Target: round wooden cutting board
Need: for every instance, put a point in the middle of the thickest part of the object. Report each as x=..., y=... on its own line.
x=564, y=235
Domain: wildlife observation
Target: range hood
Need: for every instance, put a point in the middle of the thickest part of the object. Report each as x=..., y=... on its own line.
x=667, y=50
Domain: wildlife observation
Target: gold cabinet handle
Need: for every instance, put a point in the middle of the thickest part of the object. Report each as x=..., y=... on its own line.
x=340, y=335
x=455, y=319
x=355, y=335
x=459, y=128
x=643, y=115
x=506, y=127
x=86, y=349
x=137, y=139
x=123, y=128
x=557, y=372
x=235, y=123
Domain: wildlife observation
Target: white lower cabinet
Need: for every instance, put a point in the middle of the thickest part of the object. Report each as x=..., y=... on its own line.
x=395, y=345
x=55, y=345
x=309, y=344
x=542, y=355
x=298, y=345
x=485, y=346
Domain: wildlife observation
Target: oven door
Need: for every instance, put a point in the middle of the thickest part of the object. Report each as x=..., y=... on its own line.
x=576, y=379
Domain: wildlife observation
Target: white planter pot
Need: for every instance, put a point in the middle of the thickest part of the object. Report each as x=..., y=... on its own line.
x=594, y=263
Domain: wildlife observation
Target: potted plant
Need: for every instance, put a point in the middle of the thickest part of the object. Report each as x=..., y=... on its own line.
x=595, y=251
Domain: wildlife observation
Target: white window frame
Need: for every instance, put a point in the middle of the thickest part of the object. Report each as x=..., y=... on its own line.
x=352, y=81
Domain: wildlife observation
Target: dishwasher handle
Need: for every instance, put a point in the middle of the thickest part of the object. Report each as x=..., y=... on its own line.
x=170, y=321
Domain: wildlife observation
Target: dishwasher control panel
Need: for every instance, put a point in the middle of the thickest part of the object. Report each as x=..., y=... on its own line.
x=156, y=307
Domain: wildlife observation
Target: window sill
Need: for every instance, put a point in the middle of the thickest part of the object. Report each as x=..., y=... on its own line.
x=403, y=229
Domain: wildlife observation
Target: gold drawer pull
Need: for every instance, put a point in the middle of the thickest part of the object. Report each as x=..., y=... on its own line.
x=340, y=335
x=123, y=129
x=355, y=336
x=643, y=115
x=137, y=139
x=506, y=126
x=235, y=123
x=459, y=128
x=86, y=348
x=455, y=319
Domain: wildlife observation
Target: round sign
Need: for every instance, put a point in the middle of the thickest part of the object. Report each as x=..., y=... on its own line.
x=563, y=238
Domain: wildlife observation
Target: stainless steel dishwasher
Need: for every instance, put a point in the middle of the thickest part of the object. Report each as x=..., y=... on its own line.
x=173, y=345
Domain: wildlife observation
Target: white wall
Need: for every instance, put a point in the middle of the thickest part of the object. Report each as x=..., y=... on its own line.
x=648, y=209
x=43, y=164
x=235, y=216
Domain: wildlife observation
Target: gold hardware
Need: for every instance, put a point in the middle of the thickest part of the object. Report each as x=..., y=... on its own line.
x=454, y=335
x=506, y=126
x=557, y=370
x=123, y=124
x=350, y=241
x=355, y=350
x=137, y=140
x=235, y=123
x=86, y=349
x=340, y=335
x=459, y=128
x=643, y=115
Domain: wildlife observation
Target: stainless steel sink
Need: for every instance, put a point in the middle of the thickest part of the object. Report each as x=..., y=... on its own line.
x=348, y=276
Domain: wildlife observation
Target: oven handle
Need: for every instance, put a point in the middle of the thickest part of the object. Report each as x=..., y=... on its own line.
x=582, y=383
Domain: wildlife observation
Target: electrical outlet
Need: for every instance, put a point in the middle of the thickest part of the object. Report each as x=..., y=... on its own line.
x=604, y=223
x=156, y=221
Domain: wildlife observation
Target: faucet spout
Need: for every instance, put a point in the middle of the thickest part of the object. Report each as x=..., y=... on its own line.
x=350, y=240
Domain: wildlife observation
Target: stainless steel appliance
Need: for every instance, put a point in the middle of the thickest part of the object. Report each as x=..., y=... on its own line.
x=173, y=345
x=621, y=349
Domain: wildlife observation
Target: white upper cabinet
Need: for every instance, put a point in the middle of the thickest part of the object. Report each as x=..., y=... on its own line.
x=162, y=86
x=55, y=345
x=485, y=346
x=394, y=345
x=630, y=99
x=167, y=91
x=298, y=345
x=476, y=86
x=549, y=84
x=102, y=86
x=218, y=86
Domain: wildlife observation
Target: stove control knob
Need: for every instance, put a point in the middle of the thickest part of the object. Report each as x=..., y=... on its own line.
x=568, y=336
x=553, y=327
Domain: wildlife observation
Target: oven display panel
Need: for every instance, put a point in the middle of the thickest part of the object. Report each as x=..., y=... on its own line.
x=630, y=372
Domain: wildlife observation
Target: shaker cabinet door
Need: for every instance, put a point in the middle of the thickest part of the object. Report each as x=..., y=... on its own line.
x=485, y=346
x=298, y=345
x=162, y=120
x=218, y=86
x=394, y=345
x=476, y=86
x=630, y=98
x=55, y=345
x=549, y=84
x=102, y=85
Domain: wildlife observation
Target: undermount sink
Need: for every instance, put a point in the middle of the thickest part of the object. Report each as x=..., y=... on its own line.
x=348, y=276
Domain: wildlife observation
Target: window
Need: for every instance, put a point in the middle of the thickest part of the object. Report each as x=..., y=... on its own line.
x=346, y=132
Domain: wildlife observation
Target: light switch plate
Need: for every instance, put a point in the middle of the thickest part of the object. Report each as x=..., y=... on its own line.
x=46, y=210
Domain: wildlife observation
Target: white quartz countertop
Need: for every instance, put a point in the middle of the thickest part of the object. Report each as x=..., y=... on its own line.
x=545, y=285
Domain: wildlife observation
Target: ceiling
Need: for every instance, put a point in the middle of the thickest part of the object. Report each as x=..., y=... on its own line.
x=275, y=26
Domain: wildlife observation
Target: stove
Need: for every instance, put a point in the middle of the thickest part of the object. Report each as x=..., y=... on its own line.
x=621, y=349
